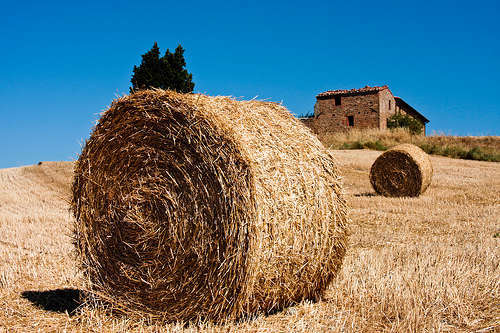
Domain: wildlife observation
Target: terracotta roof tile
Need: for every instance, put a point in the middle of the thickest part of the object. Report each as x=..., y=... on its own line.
x=366, y=89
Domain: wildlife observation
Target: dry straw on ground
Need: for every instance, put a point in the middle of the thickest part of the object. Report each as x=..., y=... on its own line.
x=403, y=171
x=189, y=207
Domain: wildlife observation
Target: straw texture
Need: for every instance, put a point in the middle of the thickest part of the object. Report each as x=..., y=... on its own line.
x=193, y=207
x=403, y=171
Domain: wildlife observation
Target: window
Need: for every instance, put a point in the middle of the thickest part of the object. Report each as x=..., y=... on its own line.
x=350, y=120
x=338, y=100
x=389, y=104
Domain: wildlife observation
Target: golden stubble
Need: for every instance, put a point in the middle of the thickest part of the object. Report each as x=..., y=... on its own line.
x=413, y=264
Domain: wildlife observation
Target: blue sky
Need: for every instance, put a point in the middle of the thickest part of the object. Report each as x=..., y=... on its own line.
x=62, y=63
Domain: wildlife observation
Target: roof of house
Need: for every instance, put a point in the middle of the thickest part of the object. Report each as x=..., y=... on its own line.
x=400, y=102
x=365, y=90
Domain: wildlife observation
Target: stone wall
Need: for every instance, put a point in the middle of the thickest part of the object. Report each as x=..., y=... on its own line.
x=309, y=122
x=387, y=105
x=330, y=117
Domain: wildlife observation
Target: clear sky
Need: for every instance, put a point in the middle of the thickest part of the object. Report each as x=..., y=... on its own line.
x=63, y=62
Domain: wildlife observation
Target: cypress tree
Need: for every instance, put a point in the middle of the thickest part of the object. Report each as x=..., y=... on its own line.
x=167, y=72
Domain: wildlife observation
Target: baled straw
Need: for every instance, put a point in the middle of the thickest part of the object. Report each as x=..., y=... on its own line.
x=403, y=171
x=192, y=207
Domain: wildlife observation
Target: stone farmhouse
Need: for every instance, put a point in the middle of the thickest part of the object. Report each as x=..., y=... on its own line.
x=368, y=107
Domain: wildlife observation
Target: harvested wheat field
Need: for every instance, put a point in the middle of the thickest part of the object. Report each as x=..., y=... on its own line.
x=413, y=264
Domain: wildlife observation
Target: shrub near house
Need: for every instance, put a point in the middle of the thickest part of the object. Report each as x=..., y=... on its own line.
x=405, y=121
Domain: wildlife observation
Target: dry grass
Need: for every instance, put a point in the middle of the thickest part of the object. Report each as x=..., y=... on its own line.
x=415, y=264
x=483, y=148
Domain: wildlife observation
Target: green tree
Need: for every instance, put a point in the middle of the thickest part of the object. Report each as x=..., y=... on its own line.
x=167, y=72
x=405, y=121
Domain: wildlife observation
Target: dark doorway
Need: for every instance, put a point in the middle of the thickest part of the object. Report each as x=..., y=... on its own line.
x=338, y=100
x=350, y=120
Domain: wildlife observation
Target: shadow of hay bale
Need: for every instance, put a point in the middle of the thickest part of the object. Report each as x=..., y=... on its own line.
x=57, y=300
x=366, y=194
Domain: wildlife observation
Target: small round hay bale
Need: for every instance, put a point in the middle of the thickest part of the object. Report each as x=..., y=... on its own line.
x=190, y=206
x=403, y=171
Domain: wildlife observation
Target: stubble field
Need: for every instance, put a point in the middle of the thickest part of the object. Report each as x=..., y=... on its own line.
x=422, y=264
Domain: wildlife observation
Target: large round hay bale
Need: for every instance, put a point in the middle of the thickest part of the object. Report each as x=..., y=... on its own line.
x=403, y=171
x=189, y=207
